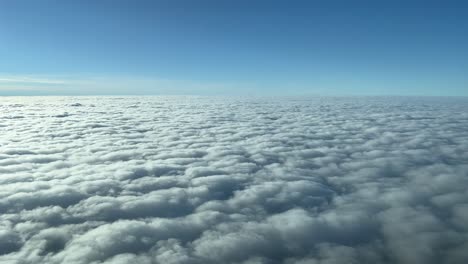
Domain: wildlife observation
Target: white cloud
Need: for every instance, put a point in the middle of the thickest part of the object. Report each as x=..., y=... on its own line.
x=109, y=85
x=29, y=80
x=233, y=180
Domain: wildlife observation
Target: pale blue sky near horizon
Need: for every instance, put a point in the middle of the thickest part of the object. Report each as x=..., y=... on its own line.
x=240, y=47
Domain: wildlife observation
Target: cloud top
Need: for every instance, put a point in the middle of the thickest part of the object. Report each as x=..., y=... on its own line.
x=233, y=180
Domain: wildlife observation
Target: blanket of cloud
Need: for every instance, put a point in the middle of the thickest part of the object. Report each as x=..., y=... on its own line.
x=233, y=180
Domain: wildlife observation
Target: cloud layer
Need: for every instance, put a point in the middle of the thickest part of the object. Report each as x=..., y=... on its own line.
x=233, y=180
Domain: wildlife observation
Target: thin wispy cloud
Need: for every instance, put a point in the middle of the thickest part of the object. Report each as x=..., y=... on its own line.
x=112, y=84
x=30, y=80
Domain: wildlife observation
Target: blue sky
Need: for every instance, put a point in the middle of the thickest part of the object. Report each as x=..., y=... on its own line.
x=234, y=47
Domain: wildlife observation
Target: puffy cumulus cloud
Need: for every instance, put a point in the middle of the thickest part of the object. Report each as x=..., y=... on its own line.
x=233, y=180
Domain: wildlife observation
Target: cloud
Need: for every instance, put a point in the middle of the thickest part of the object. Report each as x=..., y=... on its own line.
x=29, y=80
x=85, y=84
x=233, y=180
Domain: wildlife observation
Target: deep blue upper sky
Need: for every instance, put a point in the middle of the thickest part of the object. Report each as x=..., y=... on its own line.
x=234, y=47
